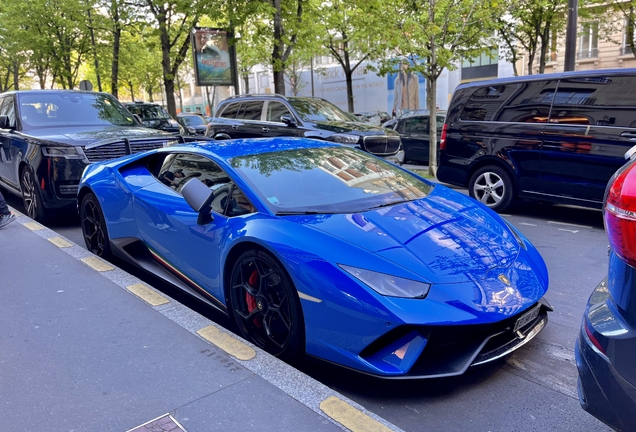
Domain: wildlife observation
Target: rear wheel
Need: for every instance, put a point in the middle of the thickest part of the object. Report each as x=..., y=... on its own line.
x=265, y=305
x=94, y=226
x=31, y=196
x=492, y=186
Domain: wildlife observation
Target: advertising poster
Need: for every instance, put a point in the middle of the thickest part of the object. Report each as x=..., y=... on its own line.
x=213, y=59
x=406, y=90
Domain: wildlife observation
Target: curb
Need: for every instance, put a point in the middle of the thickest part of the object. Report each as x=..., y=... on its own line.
x=331, y=405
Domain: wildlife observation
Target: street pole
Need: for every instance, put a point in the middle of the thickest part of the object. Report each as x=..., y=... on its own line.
x=570, y=35
x=311, y=66
x=90, y=26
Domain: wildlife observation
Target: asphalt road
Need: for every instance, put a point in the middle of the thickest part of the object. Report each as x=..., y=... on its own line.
x=533, y=389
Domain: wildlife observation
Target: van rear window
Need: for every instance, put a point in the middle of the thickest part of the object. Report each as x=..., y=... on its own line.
x=485, y=101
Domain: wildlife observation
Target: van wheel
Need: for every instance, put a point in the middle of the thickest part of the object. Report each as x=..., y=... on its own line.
x=492, y=186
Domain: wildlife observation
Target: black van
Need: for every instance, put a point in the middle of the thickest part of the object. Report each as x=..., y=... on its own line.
x=555, y=138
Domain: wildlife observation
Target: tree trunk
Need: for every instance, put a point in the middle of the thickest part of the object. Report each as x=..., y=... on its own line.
x=16, y=76
x=132, y=91
x=545, y=43
x=246, y=81
x=278, y=50
x=431, y=99
x=114, y=72
x=349, y=79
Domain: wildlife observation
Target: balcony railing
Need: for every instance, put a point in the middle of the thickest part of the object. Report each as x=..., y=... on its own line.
x=591, y=53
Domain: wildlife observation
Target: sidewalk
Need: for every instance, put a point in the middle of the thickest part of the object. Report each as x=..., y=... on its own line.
x=87, y=347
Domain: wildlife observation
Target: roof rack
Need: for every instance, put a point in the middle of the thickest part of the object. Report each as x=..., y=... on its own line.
x=258, y=95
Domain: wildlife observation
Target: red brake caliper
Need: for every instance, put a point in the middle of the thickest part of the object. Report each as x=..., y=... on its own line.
x=250, y=300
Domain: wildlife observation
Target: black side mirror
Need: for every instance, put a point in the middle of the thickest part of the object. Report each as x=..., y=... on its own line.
x=288, y=120
x=4, y=122
x=199, y=197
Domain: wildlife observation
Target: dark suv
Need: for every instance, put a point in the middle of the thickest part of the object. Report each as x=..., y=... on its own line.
x=48, y=137
x=555, y=138
x=251, y=116
x=155, y=116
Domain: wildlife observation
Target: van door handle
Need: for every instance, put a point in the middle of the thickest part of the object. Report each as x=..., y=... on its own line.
x=235, y=126
x=266, y=129
x=630, y=135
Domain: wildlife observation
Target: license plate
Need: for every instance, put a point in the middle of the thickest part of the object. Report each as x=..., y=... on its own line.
x=527, y=318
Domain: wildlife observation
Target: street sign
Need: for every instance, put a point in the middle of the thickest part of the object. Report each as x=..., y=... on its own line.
x=86, y=85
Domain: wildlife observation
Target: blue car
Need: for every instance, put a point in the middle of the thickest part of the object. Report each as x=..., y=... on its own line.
x=606, y=346
x=321, y=249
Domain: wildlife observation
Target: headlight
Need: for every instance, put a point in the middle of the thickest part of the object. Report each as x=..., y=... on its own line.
x=192, y=130
x=66, y=152
x=387, y=285
x=171, y=143
x=345, y=139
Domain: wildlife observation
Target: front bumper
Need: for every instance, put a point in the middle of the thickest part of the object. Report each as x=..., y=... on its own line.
x=410, y=352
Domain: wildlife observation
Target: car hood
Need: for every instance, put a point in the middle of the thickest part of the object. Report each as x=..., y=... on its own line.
x=445, y=237
x=353, y=128
x=85, y=135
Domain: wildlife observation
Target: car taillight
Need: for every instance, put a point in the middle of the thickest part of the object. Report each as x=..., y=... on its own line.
x=442, y=139
x=620, y=214
x=595, y=343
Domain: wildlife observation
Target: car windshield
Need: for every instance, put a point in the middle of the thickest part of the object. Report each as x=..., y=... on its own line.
x=320, y=110
x=193, y=120
x=149, y=111
x=327, y=180
x=40, y=110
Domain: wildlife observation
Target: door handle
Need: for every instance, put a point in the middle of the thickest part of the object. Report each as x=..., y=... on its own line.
x=235, y=126
x=630, y=135
x=265, y=129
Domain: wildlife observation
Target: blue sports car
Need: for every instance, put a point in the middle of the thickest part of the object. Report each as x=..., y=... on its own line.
x=317, y=248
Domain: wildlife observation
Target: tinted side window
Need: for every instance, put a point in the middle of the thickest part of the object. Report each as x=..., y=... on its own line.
x=599, y=101
x=231, y=110
x=529, y=103
x=250, y=110
x=7, y=108
x=416, y=125
x=485, y=102
x=275, y=110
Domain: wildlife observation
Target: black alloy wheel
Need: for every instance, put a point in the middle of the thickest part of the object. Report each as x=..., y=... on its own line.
x=492, y=186
x=94, y=226
x=265, y=305
x=31, y=196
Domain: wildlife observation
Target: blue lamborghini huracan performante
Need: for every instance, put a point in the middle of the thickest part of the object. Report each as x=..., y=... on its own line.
x=320, y=249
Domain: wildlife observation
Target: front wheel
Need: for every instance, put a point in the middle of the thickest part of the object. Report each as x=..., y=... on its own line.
x=492, y=186
x=265, y=305
x=94, y=226
x=31, y=196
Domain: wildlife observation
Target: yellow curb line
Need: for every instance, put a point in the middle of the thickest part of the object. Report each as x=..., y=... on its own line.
x=350, y=417
x=60, y=242
x=33, y=226
x=227, y=343
x=97, y=264
x=148, y=295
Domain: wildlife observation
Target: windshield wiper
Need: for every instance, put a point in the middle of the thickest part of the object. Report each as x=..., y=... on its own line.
x=295, y=213
x=385, y=205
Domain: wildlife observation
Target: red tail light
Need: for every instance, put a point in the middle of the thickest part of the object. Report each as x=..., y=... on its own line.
x=620, y=214
x=442, y=139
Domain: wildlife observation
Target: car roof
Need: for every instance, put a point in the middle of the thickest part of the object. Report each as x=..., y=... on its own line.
x=52, y=91
x=227, y=149
x=553, y=76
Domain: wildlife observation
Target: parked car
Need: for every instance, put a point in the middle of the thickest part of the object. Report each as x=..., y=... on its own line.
x=554, y=138
x=154, y=116
x=193, y=123
x=375, y=117
x=606, y=346
x=251, y=116
x=48, y=137
x=414, y=133
x=313, y=247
